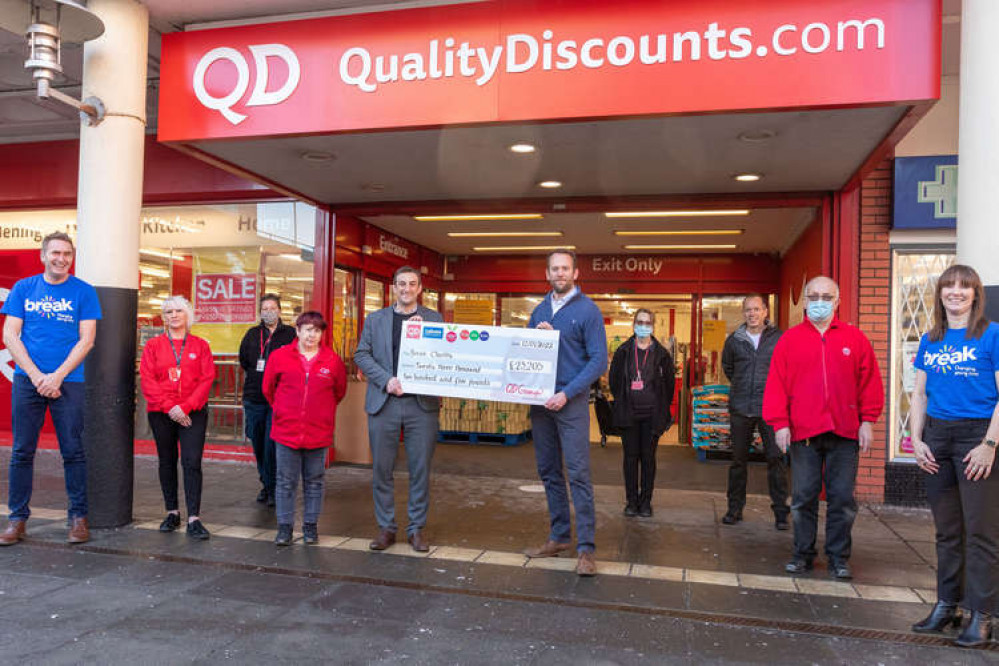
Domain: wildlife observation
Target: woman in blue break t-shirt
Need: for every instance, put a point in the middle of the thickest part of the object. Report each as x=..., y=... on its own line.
x=954, y=431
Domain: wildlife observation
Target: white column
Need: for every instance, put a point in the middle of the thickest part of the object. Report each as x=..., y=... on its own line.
x=108, y=205
x=978, y=147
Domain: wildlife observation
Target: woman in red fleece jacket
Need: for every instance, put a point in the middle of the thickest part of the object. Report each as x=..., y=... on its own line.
x=176, y=371
x=304, y=382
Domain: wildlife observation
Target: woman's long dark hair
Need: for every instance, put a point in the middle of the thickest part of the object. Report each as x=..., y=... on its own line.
x=966, y=276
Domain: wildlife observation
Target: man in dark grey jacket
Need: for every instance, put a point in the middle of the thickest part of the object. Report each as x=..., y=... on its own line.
x=746, y=362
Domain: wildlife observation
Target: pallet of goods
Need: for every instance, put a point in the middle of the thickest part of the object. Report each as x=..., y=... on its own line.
x=483, y=422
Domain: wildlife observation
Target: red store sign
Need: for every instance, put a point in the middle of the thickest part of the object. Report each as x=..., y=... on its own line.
x=518, y=60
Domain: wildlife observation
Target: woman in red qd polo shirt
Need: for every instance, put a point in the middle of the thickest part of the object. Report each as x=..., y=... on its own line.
x=304, y=382
x=177, y=371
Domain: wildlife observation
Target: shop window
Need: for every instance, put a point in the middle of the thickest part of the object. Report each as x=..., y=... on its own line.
x=470, y=308
x=344, y=325
x=516, y=311
x=914, y=278
x=374, y=296
x=431, y=299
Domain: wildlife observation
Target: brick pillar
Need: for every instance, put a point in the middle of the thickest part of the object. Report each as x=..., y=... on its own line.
x=875, y=313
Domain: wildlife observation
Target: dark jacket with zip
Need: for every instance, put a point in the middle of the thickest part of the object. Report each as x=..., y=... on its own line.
x=249, y=354
x=662, y=382
x=747, y=368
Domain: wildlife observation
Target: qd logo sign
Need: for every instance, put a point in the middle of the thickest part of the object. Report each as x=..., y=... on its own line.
x=260, y=96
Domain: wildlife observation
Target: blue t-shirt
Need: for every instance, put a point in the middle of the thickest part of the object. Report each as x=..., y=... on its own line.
x=960, y=374
x=52, y=314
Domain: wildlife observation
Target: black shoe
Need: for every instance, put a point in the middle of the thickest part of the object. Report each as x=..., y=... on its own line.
x=978, y=633
x=732, y=517
x=631, y=510
x=781, y=524
x=645, y=511
x=840, y=571
x=262, y=495
x=283, y=537
x=798, y=566
x=270, y=499
x=943, y=615
x=170, y=523
x=310, y=534
x=196, y=530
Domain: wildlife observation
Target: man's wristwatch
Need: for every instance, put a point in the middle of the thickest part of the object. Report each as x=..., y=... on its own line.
x=991, y=443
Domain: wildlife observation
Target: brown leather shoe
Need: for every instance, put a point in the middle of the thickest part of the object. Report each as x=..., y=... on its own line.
x=14, y=533
x=384, y=540
x=416, y=541
x=79, y=533
x=550, y=549
x=586, y=565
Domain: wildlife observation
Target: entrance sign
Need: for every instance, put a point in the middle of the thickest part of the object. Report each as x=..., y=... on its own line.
x=478, y=362
x=229, y=298
x=523, y=60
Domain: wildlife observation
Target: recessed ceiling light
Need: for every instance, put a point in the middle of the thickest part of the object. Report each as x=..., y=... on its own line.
x=504, y=234
x=748, y=177
x=522, y=248
x=680, y=247
x=684, y=232
x=374, y=187
x=680, y=213
x=522, y=148
x=318, y=156
x=757, y=136
x=473, y=218
x=550, y=184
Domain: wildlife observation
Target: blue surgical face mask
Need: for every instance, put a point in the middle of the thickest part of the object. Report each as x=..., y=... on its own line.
x=819, y=310
x=643, y=331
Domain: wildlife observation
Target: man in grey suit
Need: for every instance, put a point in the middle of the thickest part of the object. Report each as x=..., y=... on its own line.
x=390, y=410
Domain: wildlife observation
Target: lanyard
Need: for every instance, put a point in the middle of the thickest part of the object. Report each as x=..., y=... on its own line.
x=638, y=368
x=178, y=357
x=265, y=347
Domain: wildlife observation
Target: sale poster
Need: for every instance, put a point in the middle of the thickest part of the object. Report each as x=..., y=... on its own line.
x=225, y=298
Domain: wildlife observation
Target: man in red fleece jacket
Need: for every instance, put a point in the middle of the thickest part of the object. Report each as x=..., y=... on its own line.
x=823, y=395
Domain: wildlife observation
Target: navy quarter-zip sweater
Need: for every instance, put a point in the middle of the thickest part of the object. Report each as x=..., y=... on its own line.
x=582, y=343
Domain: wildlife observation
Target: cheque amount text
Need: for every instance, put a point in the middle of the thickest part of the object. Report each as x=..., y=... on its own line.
x=526, y=365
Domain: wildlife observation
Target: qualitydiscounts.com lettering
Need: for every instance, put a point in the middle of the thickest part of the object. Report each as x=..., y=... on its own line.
x=367, y=69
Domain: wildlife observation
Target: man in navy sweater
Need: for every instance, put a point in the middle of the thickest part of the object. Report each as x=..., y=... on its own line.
x=562, y=426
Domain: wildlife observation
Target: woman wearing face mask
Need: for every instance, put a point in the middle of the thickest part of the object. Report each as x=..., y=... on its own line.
x=954, y=420
x=642, y=382
x=304, y=382
x=176, y=371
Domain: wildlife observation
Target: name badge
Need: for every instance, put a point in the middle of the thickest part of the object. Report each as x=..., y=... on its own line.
x=637, y=385
x=174, y=374
x=260, y=364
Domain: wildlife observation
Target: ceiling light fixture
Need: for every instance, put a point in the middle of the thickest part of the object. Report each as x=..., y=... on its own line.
x=684, y=232
x=748, y=177
x=757, y=136
x=733, y=212
x=522, y=148
x=522, y=248
x=474, y=218
x=156, y=253
x=681, y=247
x=317, y=156
x=504, y=234
x=550, y=184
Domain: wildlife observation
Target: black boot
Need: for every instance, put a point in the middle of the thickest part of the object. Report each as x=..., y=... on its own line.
x=978, y=632
x=945, y=614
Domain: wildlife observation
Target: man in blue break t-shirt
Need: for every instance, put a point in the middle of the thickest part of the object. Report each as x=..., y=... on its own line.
x=50, y=328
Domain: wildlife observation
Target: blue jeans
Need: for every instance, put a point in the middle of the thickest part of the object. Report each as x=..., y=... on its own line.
x=28, y=410
x=564, y=437
x=834, y=460
x=257, y=424
x=310, y=465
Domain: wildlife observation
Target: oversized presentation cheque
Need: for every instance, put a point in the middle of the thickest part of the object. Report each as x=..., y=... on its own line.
x=478, y=362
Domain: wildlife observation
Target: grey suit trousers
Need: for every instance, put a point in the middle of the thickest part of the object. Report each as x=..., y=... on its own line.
x=419, y=429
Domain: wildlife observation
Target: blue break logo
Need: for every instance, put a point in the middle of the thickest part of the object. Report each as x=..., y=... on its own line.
x=435, y=332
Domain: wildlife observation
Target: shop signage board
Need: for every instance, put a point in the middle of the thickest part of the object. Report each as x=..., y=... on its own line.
x=523, y=60
x=479, y=362
x=225, y=298
x=925, y=192
x=473, y=311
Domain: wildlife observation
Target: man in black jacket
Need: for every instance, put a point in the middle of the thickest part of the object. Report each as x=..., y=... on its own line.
x=256, y=347
x=746, y=362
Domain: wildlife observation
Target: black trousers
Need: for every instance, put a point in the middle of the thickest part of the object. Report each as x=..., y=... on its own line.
x=742, y=438
x=833, y=460
x=966, y=515
x=639, y=463
x=168, y=434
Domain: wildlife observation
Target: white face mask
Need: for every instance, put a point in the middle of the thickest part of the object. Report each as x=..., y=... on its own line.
x=270, y=318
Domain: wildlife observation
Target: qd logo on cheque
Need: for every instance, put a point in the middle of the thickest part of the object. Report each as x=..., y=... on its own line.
x=520, y=389
x=260, y=96
x=413, y=331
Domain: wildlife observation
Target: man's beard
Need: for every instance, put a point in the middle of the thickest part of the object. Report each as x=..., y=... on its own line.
x=565, y=289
